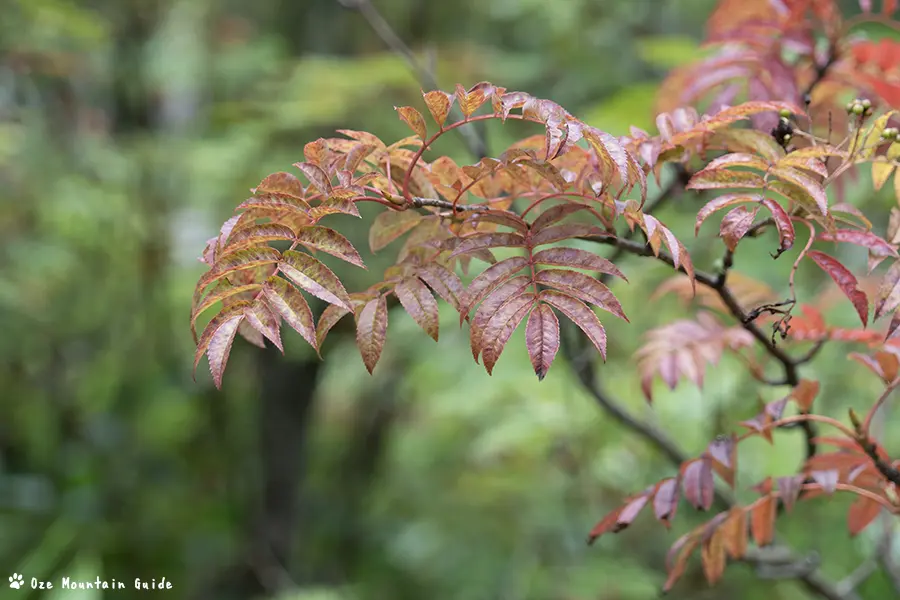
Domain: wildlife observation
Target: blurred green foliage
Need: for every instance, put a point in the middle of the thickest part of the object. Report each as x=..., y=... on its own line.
x=130, y=129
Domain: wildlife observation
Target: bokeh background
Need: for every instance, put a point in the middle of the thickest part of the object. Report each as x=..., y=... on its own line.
x=130, y=129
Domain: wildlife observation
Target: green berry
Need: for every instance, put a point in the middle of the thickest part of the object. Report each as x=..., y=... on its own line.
x=787, y=137
x=858, y=109
x=785, y=113
x=866, y=103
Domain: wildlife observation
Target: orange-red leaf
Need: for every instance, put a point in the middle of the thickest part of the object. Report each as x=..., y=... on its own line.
x=712, y=556
x=677, y=558
x=489, y=279
x=715, y=179
x=311, y=275
x=414, y=119
x=445, y=284
x=846, y=281
x=576, y=258
x=281, y=183
x=542, y=338
x=566, y=231
x=762, y=521
x=801, y=180
x=581, y=286
x=580, y=314
x=261, y=318
x=438, y=103
x=721, y=202
x=316, y=176
x=789, y=490
x=555, y=214
x=697, y=482
x=862, y=513
x=289, y=303
x=416, y=299
x=665, y=501
x=736, y=224
x=887, y=298
x=329, y=318
x=216, y=340
x=630, y=511
x=486, y=311
x=804, y=393
x=501, y=327
x=481, y=241
x=723, y=452
x=274, y=202
x=786, y=233
x=734, y=532
x=371, y=331
x=256, y=235
x=330, y=241
x=390, y=225
x=220, y=293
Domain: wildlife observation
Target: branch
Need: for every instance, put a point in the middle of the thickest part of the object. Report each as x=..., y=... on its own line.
x=473, y=141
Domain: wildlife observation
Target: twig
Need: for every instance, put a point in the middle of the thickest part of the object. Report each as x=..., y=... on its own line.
x=474, y=142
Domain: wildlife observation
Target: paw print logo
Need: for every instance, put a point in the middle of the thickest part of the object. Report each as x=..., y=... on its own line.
x=15, y=581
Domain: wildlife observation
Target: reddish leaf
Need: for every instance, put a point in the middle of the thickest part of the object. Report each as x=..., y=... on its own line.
x=417, y=300
x=630, y=512
x=580, y=314
x=390, y=225
x=445, y=284
x=371, y=331
x=722, y=202
x=712, y=556
x=486, y=311
x=875, y=244
x=287, y=302
x=734, y=533
x=789, y=490
x=846, y=281
x=311, y=275
x=887, y=298
x=577, y=259
x=677, y=558
x=697, y=482
x=862, y=513
x=801, y=180
x=501, y=327
x=316, y=176
x=827, y=479
x=581, y=286
x=329, y=318
x=723, y=452
x=558, y=233
x=335, y=205
x=608, y=523
x=330, y=241
x=804, y=393
x=683, y=349
x=489, y=279
x=281, y=183
x=257, y=235
x=555, y=214
x=665, y=501
x=224, y=291
x=438, y=103
x=216, y=340
x=783, y=223
x=542, y=339
x=232, y=262
x=274, y=202
x=414, y=119
x=762, y=521
x=736, y=224
x=261, y=318
x=481, y=241
x=716, y=179
x=885, y=365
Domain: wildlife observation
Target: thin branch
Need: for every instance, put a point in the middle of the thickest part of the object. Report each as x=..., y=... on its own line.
x=473, y=141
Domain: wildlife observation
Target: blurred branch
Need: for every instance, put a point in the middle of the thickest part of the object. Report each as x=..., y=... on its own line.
x=471, y=137
x=802, y=568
